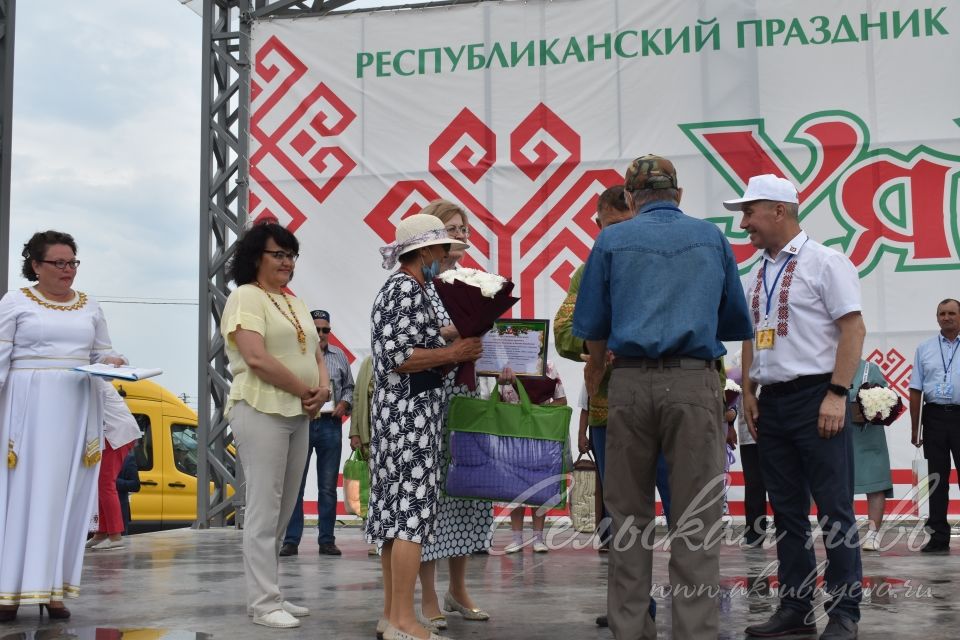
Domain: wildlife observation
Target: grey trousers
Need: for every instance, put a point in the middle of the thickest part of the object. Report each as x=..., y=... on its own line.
x=273, y=452
x=679, y=412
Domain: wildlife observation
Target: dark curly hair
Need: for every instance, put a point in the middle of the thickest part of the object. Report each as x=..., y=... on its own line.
x=249, y=249
x=36, y=249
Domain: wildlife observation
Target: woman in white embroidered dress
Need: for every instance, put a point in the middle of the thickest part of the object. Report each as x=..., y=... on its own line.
x=51, y=418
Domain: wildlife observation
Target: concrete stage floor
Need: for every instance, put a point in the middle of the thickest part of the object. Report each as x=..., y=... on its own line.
x=192, y=581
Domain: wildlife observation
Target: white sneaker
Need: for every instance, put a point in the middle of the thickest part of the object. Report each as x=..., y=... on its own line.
x=294, y=609
x=277, y=619
x=91, y=542
x=870, y=542
x=107, y=544
x=539, y=546
x=513, y=547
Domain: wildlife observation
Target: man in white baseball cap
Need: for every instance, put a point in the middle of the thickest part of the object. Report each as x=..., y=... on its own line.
x=808, y=336
x=765, y=187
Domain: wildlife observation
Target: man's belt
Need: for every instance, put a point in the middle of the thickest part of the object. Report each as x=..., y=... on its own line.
x=797, y=384
x=662, y=363
x=942, y=407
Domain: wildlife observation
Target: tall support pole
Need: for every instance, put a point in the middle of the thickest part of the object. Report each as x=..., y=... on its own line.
x=223, y=211
x=7, y=22
x=224, y=177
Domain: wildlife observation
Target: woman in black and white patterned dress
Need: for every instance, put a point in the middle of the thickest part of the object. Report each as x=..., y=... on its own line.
x=462, y=527
x=409, y=402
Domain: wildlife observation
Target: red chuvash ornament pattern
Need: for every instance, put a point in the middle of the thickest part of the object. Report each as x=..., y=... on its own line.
x=548, y=235
x=896, y=369
x=297, y=157
x=783, y=298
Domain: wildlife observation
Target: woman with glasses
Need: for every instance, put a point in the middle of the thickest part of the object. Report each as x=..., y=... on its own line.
x=279, y=383
x=51, y=421
x=463, y=526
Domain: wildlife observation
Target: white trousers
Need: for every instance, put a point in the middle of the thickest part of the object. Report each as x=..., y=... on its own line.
x=273, y=452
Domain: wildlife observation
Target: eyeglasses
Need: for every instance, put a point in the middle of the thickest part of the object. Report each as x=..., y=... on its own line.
x=280, y=256
x=463, y=230
x=323, y=330
x=62, y=264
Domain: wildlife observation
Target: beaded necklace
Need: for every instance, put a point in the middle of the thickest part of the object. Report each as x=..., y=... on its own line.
x=292, y=318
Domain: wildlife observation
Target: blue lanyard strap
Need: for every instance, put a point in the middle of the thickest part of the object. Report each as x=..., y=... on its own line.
x=775, y=281
x=947, y=363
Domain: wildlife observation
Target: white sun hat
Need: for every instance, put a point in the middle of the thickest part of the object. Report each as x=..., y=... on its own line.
x=765, y=187
x=414, y=232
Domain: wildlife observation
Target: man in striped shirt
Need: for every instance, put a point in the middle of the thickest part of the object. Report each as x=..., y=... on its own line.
x=325, y=436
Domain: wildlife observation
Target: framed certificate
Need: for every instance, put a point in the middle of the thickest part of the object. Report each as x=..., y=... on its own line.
x=518, y=344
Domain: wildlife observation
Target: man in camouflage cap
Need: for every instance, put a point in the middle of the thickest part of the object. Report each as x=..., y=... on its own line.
x=650, y=172
x=661, y=291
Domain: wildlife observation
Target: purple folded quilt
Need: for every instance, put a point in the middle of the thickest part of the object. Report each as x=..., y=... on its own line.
x=506, y=469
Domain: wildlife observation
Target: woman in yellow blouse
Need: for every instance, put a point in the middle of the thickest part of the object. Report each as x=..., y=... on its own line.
x=279, y=383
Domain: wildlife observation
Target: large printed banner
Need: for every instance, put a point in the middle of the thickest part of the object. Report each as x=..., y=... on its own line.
x=523, y=112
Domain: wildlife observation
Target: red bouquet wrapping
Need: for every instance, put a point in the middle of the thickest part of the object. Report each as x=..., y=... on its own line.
x=473, y=307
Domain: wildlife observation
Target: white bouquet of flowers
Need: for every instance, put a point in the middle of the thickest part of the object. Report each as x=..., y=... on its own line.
x=474, y=299
x=489, y=284
x=880, y=405
x=731, y=392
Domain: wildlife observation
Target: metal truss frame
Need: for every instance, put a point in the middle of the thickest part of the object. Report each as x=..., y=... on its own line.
x=7, y=24
x=224, y=183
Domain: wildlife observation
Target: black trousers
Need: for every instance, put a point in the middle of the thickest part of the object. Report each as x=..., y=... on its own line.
x=796, y=464
x=755, y=492
x=941, y=437
x=125, y=510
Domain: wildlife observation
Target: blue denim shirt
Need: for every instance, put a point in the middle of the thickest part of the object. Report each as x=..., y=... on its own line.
x=662, y=284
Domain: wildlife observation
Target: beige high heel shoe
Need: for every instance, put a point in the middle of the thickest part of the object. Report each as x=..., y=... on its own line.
x=451, y=605
x=432, y=624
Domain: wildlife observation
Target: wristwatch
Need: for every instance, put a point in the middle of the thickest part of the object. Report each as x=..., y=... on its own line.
x=838, y=389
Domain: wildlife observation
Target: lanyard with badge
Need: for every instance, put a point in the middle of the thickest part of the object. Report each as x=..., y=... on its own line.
x=767, y=334
x=858, y=418
x=944, y=390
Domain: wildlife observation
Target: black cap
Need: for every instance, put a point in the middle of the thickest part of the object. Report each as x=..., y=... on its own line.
x=320, y=314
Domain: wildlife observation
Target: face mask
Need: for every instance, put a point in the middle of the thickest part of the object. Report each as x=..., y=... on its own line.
x=429, y=272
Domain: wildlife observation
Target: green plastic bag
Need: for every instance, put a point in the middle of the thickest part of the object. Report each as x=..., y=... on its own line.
x=356, y=484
